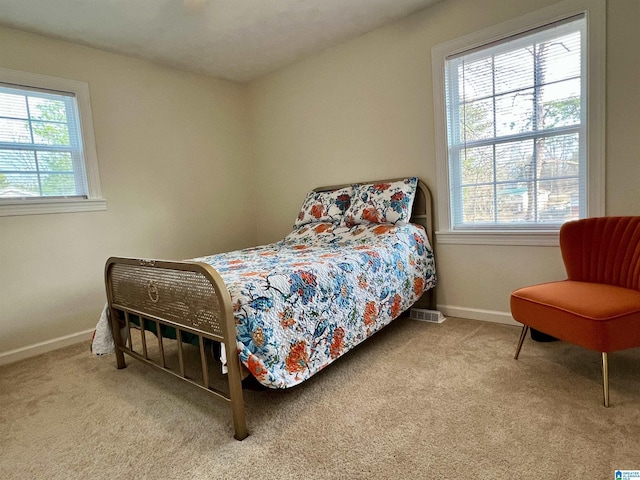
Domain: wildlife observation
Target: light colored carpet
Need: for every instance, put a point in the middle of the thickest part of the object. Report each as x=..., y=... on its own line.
x=417, y=400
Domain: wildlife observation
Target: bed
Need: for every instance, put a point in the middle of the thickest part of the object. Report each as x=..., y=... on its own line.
x=358, y=256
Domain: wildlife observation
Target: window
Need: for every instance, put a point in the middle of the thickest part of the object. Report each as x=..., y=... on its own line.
x=47, y=153
x=519, y=154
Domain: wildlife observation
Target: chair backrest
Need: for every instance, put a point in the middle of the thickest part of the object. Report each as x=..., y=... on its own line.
x=603, y=250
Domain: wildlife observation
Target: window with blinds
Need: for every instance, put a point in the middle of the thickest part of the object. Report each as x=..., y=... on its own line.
x=41, y=151
x=516, y=129
x=48, y=161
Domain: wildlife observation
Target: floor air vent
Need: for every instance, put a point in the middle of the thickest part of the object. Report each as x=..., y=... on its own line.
x=425, y=315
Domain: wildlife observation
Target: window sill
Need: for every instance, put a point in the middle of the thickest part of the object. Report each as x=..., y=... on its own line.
x=10, y=209
x=546, y=238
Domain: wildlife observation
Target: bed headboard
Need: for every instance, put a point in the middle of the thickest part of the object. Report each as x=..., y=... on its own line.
x=422, y=207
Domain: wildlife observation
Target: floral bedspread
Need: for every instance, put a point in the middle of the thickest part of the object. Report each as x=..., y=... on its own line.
x=302, y=302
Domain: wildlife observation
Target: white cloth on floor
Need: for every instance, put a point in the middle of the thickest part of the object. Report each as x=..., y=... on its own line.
x=102, y=342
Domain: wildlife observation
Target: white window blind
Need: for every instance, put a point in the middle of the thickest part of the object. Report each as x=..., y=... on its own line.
x=48, y=159
x=41, y=153
x=516, y=130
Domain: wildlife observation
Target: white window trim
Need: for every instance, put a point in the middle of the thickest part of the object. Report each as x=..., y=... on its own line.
x=37, y=206
x=595, y=13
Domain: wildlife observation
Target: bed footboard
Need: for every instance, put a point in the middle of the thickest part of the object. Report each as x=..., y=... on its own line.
x=189, y=297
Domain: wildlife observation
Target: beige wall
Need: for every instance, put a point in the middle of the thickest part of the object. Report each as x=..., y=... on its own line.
x=174, y=164
x=364, y=110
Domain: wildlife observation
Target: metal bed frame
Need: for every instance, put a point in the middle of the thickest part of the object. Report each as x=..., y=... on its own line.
x=192, y=298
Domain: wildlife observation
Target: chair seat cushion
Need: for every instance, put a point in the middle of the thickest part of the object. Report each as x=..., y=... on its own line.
x=597, y=316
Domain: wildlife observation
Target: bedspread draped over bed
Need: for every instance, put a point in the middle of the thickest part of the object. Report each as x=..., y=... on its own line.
x=301, y=302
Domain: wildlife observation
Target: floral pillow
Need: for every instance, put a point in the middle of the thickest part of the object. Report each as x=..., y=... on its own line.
x=324, y=206
x=382, y=202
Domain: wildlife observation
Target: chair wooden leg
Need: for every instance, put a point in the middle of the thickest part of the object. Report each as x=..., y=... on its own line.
x=605, y=378
x=523, y=334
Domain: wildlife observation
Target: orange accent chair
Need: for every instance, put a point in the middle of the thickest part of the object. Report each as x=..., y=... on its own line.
x=598, y=306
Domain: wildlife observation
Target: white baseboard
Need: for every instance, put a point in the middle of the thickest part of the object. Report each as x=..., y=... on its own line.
x=478, y=314
x=61, y=342
x=44, y=347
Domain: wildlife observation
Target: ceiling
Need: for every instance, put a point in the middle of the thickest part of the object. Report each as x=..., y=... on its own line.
x=237, y=40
